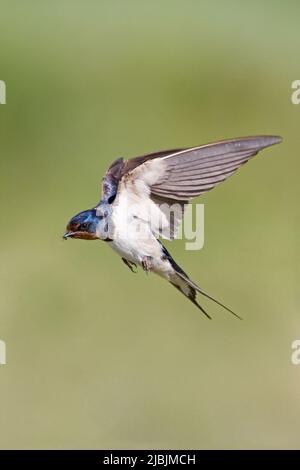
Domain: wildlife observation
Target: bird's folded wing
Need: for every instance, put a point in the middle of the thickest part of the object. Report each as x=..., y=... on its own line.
x=169, y=180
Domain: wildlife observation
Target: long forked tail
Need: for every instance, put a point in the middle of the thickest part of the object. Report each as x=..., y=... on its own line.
x=187, y=287
x=190, y=289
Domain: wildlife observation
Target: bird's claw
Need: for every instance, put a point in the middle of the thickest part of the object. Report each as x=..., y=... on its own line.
x=147, y=263
x=130, y=265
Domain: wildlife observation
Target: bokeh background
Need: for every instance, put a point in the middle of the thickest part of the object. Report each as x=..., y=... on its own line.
x=98, y=357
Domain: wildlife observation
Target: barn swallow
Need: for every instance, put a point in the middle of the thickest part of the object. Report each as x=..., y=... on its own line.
x=136, y=194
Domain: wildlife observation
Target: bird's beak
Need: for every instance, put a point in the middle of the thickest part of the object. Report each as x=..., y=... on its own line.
x=68, y=235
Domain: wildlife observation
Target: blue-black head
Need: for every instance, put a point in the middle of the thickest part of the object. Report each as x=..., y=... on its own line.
x=85, y=225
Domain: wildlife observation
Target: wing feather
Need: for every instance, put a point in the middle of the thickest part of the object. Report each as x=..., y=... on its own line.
x=175, y=177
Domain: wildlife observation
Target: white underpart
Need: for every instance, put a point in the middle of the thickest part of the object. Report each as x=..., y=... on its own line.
x=133, y=223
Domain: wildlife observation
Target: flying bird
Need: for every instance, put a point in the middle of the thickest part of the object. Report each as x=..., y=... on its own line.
x=144, y=198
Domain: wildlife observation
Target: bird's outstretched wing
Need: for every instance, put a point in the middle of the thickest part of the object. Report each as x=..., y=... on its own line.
x=118, y=168
x=170, y=179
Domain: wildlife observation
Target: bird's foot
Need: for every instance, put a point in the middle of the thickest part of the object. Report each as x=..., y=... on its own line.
x=130, y=265
x=147, y=263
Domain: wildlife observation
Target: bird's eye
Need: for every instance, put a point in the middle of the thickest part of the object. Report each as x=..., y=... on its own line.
x=84, y=226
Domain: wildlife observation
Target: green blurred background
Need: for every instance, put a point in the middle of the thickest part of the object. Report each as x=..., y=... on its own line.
x=98, y=357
